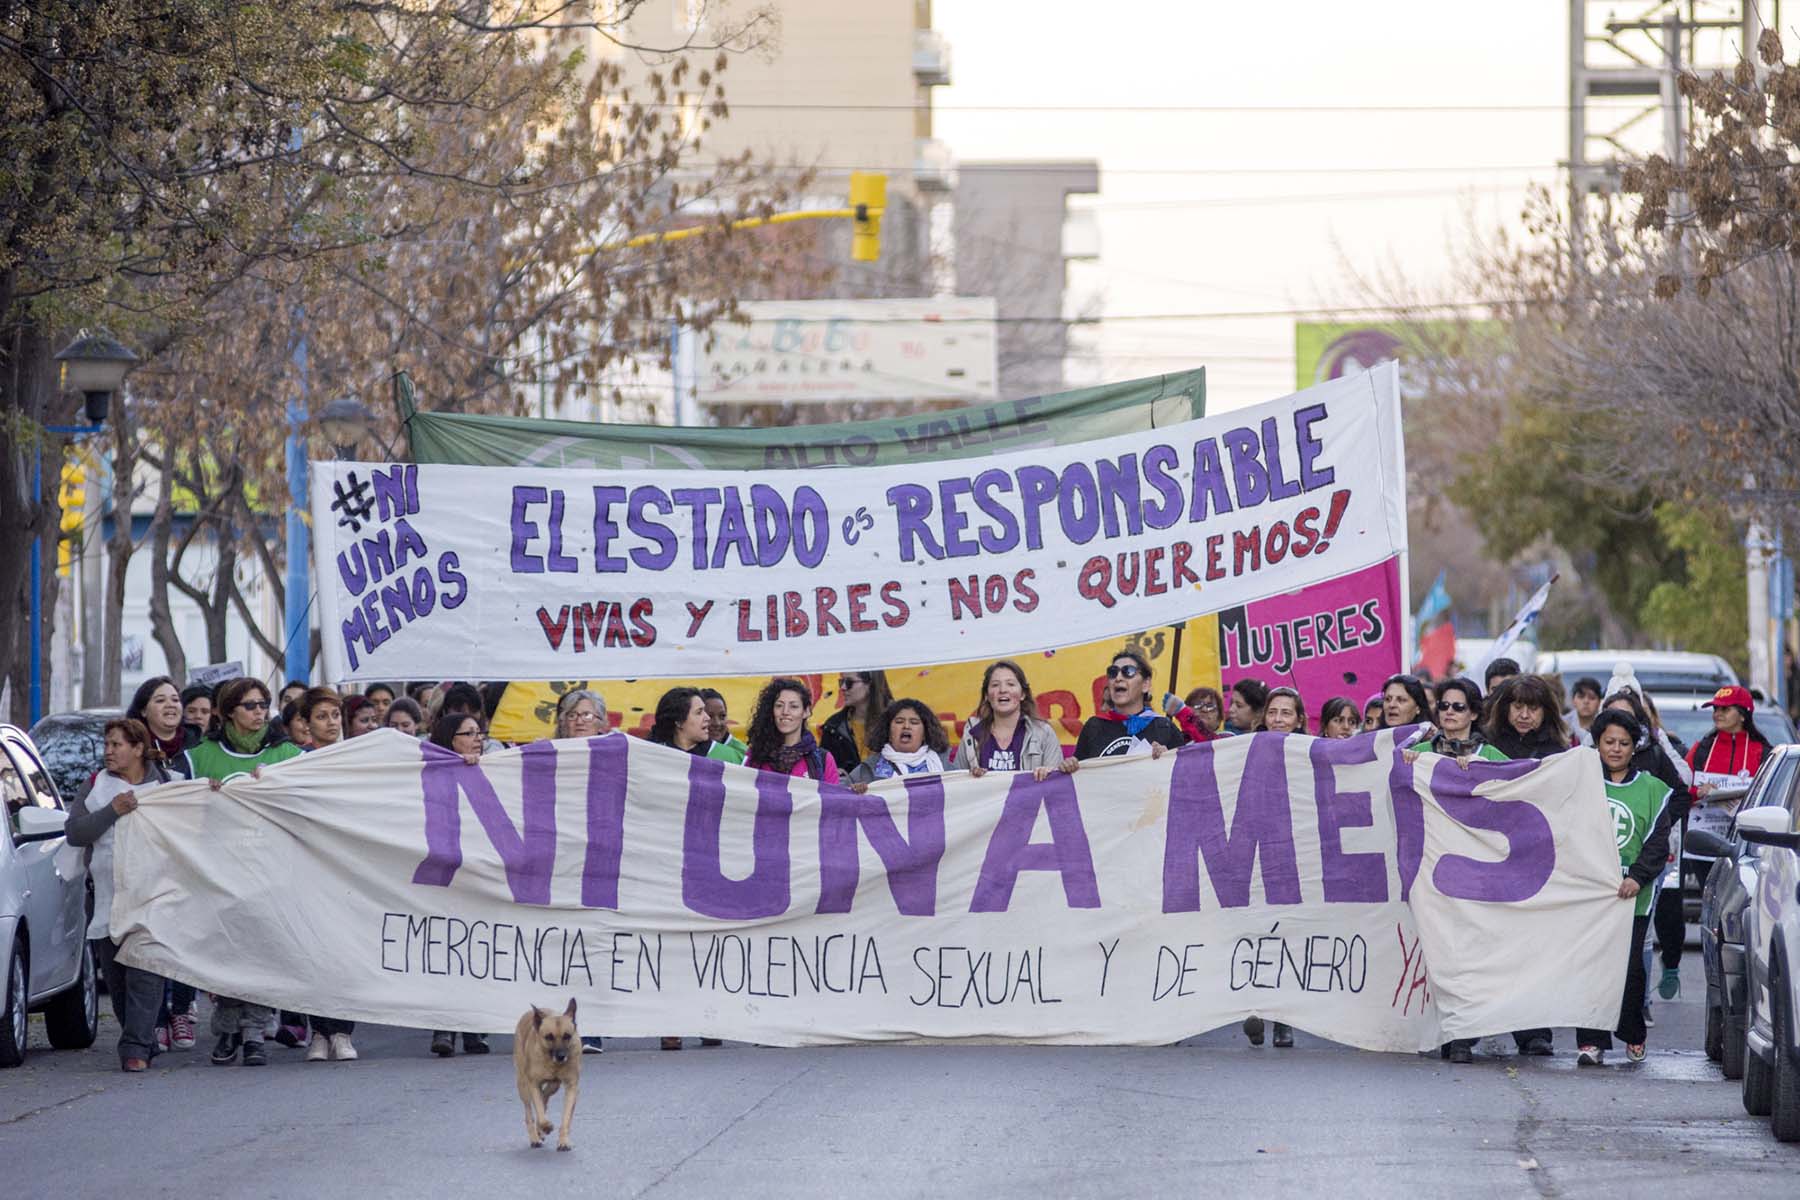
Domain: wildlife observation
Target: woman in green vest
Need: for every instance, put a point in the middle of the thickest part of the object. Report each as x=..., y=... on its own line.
x=1641, y=816
x=242, y=745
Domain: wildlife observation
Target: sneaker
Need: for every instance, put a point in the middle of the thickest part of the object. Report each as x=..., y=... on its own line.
x=291, y=1036
x=181, y=1031
x=1284, y=1037
x=592, y=1045
x=162, y=1039
x=1460, y=1053
x=341, y=1049
x=131, y=1066
x=225, y=1050
x=1637, y=1053
x=1253, y=1029
x=255, y=1055
x=1669, y=986
x=712, y=1042
x=475, y=1043
x=1649, y=1021
x=671, y=1043
x=320, y=1049
x=1590, y=1056
x=1537, y=1048
x=443, y=1044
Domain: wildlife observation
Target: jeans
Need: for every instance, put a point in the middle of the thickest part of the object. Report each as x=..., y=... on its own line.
x=240, y=1016
x=1631, y=1029
x=136, y=1000
x=177, y=998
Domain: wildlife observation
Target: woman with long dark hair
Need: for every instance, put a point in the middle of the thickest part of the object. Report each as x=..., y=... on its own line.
x=779, y=739
x=1525, y=721
x=1404, y=702
x=911, y=742
x=683, y=723
x=1006, y=733
x=157, y=703
x=131, y=768
x=1338, y=718
x=848, y=735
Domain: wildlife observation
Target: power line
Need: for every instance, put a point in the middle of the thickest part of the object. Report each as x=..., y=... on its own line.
x=1127, y=109
x=1105, y=169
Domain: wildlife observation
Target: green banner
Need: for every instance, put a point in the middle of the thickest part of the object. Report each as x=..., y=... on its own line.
x=1060, y=419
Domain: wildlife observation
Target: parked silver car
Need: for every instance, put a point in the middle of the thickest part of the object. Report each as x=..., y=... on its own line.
x=43, y=911
x=1730, y=885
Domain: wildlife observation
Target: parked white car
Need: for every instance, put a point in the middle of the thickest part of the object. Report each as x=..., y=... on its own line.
x=1656, y=670
x=43, y=911
x=1772, y=969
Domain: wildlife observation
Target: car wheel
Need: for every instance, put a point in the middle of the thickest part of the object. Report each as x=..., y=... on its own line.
x=1715, y=1031
x=72, y=1019
x=1731, y=1048
x=1759, y=1085
x=14, y=1027
x=1784, y=1107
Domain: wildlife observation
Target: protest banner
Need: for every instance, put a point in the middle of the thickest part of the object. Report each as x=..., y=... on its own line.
x=1060, y=419
x=520, y=573
x=1330, y=884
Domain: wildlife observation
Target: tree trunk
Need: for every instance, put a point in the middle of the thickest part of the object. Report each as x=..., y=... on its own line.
x=27, y=393
x=162, y=622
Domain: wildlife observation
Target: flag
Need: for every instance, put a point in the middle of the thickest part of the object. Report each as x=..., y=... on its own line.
x=1521, y=625
x=1437, y=649
x=1435, y=603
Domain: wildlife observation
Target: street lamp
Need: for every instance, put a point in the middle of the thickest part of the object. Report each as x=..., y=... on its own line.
x=95, y=365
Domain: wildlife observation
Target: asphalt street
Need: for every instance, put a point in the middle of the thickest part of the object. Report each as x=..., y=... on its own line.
x=1210, y=1115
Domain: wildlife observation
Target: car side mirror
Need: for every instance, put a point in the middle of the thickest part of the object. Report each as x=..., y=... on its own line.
x=1768, y=826
x=40, y=824
x=1704, y=841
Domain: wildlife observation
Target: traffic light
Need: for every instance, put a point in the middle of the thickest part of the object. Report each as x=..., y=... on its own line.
x=71, y=497
x=868, y=198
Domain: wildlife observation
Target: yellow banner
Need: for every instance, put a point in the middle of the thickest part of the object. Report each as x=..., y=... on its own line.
x=1066, y=682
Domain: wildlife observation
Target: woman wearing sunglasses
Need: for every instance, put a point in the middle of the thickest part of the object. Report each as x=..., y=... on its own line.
x=1130, y=725
x=849, y=735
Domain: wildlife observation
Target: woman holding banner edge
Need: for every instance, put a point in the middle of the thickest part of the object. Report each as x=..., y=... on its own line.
x=1006, y=733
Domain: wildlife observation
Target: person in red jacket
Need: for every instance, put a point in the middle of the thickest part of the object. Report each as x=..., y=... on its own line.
x=1735, y=746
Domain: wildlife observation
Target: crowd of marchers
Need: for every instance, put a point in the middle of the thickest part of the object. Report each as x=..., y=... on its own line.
x=239, y=728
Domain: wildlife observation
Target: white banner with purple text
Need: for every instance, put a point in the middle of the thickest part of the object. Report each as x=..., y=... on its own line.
x=458, y=572
x=1329, y=884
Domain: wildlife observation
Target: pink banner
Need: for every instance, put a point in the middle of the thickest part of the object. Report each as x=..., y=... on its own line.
x=1337, y=638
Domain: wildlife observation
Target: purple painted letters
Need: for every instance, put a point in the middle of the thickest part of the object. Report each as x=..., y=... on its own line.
x=704, y=887
x=911, y=861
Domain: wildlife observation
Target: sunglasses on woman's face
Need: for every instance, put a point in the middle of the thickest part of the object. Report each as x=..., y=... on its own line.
x=253, y=705
x=1208, y=706
x=1452, y=706
x=1124, y=671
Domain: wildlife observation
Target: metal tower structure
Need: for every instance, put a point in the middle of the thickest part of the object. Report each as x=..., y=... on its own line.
x=1624, y=56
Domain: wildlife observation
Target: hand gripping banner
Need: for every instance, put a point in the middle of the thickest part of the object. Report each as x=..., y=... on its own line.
x=1329, y=884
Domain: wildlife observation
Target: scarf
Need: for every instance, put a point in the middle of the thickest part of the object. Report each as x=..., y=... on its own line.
x=243, y=743
x=1135, y=724
x=923, y=761
x=1443, y=743
x=171, y=747
x=789, y=757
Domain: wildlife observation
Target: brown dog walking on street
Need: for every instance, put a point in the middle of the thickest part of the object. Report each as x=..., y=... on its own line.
x=547, y=1056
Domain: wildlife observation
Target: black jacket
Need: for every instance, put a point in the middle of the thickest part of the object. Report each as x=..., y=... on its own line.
x=1537, y=744
x=1102, y=737
x=839, y=740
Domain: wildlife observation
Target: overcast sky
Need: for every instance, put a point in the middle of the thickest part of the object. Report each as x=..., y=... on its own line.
x=1238, y=211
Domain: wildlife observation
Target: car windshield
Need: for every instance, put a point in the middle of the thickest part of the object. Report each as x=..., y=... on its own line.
x=1696, y=682
x=1692, y=724
x=71, y=745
